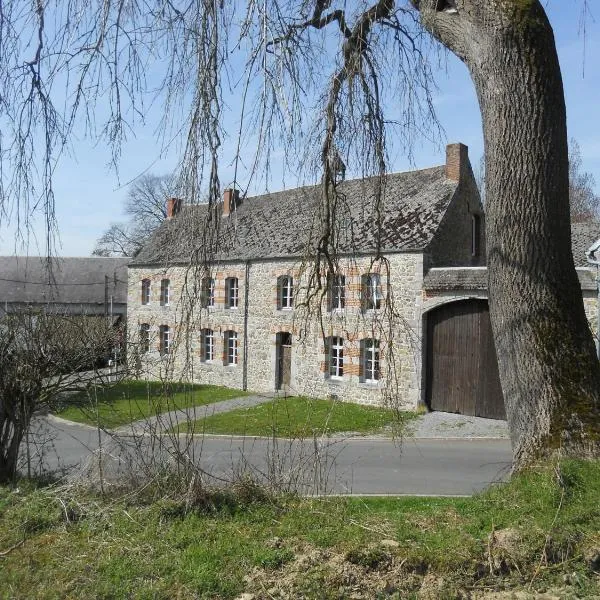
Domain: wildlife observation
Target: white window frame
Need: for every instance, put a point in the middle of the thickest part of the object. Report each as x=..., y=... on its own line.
x=231, y=348
x=286, y=292
x=165, y=289
x=372, y=291
x=144, y=338
x=337, y=292
x=208, y=292
x=232, y=292
x=336, y=357
x=145, y=292
x=371, y=360
x=207, y=339
x=164, y=340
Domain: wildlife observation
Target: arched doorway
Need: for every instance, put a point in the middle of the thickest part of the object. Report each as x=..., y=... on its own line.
x=461, y=364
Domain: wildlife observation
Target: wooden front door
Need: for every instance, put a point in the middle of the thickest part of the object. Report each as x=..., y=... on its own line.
x=284, y=360
x=461, y=364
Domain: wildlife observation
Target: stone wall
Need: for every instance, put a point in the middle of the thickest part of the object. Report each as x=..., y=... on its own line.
x=397, y=326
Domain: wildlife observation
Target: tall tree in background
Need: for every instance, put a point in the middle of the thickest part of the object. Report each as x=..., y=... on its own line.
x=145, y=206
x=548, y=369
x=584, y=201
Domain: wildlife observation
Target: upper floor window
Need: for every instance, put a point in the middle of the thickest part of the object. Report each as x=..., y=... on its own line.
x=335, y=356
x=371, y=291
x=369, y=360
x=337, y=292
x=207, y=292
x=164, y=291
x=207, y=341
x=475, y=235
x=231, y=348
x=231, y=292
x=144, y=337
x=164, y=340
x=285, y=292
x=145, y=291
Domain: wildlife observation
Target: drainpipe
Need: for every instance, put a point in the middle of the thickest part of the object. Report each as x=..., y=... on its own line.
x=246, y=301
x=592, y=258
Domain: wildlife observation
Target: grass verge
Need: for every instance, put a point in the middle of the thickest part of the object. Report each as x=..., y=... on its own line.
x=131, y=401
x=299, y=417
x=537, y=534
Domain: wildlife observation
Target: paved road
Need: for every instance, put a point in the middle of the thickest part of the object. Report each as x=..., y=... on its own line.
x=349, y=465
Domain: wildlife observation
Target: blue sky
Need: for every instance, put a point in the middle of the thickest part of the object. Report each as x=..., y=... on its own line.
x=89, y=195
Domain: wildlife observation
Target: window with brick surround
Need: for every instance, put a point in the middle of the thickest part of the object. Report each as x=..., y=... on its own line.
x=231, y=292
x=335, y=357
x=144, y=337
x=369, y=360
x=207, y=345
x=165, y=285
x=371, y=291
x=164, y=340
x=336, y=292
x=230, y=348
x=285, y=292
x=207, y=292
x=145, y=291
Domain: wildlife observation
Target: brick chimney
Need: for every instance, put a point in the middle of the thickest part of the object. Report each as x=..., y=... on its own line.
x=231, y=199
x=457, y=159
x=173, y=207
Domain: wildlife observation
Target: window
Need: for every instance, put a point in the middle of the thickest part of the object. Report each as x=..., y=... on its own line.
x=208, y=292
x=144, y=337
x=231, y=292
x=475, y=234
x=164, y=292
x=164, y=340
x=337, y=292
x=231, y=348
x=371, y=291
x=369, y=360
x=285, y=292
x=207, y=341
x=335, y=353
x=145, y=291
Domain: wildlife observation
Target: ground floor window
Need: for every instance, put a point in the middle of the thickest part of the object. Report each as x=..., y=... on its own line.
x=231, y=348
x=369, y=360
x=164, y=340
x=336, y=357
x=144, y=337
x=207, y=342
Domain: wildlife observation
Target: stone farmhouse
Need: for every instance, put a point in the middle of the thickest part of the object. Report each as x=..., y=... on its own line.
x=401, y=314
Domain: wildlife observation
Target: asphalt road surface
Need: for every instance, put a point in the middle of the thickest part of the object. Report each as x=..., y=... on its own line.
x=327, y=465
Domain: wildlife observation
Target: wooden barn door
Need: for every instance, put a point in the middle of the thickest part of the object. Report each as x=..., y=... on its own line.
x=461, y=364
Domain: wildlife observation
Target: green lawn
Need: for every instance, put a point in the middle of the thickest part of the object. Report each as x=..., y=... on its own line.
x=538, y=534
x=130, y=401
x=299, y=417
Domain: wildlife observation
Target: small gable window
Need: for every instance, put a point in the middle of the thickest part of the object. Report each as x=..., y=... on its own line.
x=231, y=292
x=337, y=292
x=164, y=340
x=335, y=357
x=231, y=348
x=144, y=338
x=207, y=292
x=207, y=345
x=371, y=291
x=145, y=291
x=164, y=291
x=285, y=292
x=369, y=360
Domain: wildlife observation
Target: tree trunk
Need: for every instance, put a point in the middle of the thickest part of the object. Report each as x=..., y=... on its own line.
x=548, y=369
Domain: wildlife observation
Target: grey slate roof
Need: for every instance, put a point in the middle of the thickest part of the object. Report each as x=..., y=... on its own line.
x=583, y=235
x=286, y=223
x=72, y=280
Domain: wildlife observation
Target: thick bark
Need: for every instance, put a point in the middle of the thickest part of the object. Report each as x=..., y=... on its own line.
x=548, y=369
